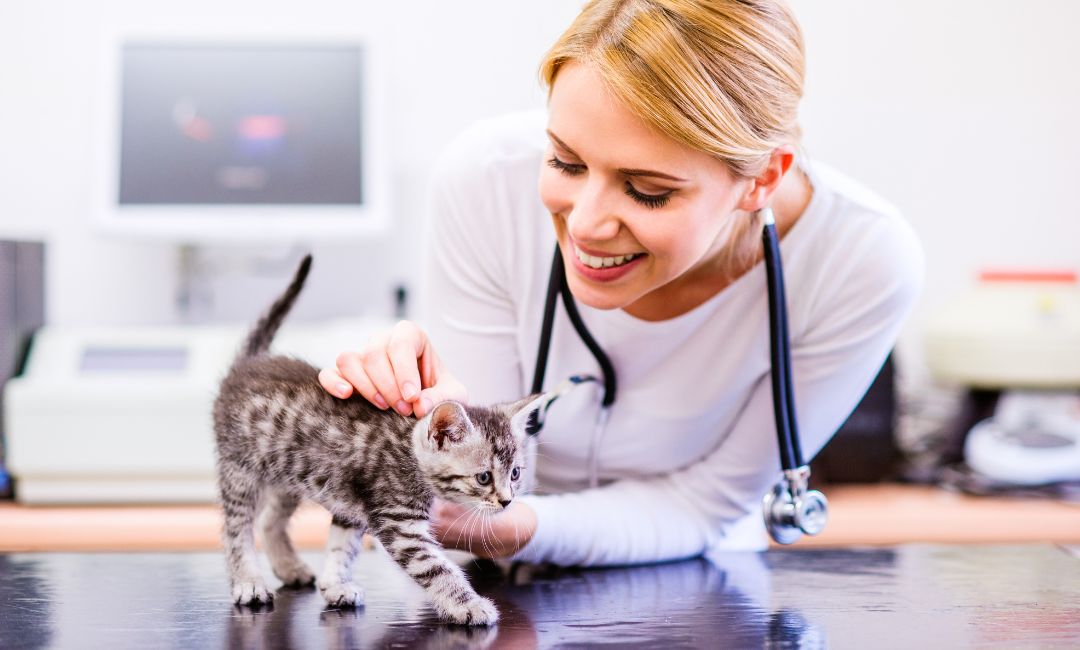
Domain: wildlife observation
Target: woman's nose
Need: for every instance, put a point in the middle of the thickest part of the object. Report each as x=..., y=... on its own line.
x=589, y=219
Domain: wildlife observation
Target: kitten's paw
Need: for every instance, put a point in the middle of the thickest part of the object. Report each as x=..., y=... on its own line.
x=296, y=576
x=252, y=592
x=342, y=594
x=478, y=611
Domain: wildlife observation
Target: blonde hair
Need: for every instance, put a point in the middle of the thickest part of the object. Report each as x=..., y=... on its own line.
x=721, y=76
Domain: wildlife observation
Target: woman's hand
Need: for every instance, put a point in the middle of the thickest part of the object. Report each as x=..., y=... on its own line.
x=396, y=369
x=491, y=536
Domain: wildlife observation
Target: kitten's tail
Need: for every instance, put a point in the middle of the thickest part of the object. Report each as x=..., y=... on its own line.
x=258, y=341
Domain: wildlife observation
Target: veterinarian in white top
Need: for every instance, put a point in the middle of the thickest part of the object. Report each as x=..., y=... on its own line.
x=690, y=447
x=669, y=126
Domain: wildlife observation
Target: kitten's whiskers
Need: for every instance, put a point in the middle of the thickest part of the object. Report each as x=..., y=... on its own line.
x=464, y=529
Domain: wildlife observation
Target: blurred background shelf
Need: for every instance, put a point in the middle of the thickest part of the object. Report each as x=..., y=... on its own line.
x=884, y=514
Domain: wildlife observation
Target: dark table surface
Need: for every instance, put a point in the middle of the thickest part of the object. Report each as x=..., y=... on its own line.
x=910, y=596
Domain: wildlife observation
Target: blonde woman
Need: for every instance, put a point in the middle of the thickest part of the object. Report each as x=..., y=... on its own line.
x=670, y=125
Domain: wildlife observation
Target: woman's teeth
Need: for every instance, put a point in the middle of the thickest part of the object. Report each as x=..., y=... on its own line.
x=602, y=262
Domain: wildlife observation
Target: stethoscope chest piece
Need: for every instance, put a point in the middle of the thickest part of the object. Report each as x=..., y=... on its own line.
x=791, y=509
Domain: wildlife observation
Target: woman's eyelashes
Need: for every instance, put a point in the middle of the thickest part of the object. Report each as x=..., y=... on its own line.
x=570, y=169
x=648, y=200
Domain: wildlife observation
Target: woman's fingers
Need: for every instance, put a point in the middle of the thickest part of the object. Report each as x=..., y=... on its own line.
x=448, y=388
x=380, y=372
x=350, y=365
x=407, y=346
x=397, y=369
x=333, y=383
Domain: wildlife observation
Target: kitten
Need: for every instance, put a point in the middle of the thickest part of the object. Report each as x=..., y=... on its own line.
x=282, y=438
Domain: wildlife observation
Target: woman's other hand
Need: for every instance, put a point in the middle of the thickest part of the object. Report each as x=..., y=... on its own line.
x=397, y=369
x=496, y=535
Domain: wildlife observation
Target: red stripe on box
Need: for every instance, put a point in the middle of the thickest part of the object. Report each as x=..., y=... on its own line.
x=1063, y=277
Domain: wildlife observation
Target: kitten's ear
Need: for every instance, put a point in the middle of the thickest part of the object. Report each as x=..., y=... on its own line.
x=527, y=414
x=449, y=424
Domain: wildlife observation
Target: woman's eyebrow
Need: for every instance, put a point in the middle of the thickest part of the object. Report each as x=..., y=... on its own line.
x=647, y=172
x=627, y=172
x=562, y=144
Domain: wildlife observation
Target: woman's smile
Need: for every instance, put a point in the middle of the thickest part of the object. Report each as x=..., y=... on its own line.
x=598, y=267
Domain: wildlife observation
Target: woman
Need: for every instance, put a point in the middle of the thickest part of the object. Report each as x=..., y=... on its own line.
x=670, y=125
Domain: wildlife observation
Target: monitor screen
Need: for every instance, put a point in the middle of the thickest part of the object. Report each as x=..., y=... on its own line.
x=264, y=124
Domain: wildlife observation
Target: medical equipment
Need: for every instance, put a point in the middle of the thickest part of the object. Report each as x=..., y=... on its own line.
x=260, y=136
x=1015, y=329
x=1014, y=341
x=123, y=414
x=790, y=508
x=1032, y=439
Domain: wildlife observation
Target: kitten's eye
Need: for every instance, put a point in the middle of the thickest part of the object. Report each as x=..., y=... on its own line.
x=515, y=474
x=483, y=478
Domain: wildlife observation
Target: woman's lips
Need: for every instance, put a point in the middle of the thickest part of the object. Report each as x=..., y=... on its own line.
x=606, y=274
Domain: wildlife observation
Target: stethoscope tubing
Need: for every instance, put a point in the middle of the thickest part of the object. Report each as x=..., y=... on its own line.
x=779, y=343
x=780, y=352
x=790, y=508
x=555, y=280
x=557, y=286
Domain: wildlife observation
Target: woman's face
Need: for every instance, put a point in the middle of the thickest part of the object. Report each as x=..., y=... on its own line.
x=638, y=215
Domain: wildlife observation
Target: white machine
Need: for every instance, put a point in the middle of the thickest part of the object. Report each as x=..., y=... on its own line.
x=123, y=415
x=1018, y=333
x=1033, y=439
x=206, y=137
x=1017, y=330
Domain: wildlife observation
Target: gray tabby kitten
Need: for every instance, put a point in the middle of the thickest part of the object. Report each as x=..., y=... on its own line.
x=282, y=438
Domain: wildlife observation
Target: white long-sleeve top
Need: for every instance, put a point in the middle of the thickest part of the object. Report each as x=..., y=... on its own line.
x=691, y=445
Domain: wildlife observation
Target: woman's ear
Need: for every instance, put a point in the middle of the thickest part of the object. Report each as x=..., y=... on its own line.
x=764, y=185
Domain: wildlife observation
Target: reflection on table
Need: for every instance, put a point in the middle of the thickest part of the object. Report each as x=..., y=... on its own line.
x=950, y=596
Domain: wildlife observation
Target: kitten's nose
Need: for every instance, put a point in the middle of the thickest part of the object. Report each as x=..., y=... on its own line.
x=505, y=503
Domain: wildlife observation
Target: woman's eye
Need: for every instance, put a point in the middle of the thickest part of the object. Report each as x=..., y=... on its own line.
x=570, y=169
x=483, y=478
x=515, y=474
x=648, y=200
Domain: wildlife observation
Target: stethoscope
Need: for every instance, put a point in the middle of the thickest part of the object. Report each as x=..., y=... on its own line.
x=790, y=508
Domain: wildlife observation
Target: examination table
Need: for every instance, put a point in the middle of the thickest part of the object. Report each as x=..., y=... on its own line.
x=912, y=595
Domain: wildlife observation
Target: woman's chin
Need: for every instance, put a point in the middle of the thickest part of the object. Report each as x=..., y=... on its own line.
x=603, y=297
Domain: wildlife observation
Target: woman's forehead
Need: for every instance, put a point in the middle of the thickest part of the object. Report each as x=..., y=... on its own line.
x=597, y=126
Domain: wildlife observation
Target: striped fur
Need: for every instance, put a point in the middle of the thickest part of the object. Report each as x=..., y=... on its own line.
x=281, y=438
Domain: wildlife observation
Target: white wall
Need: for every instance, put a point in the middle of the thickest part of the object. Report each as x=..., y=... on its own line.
x=450, y=63
x=961, y=112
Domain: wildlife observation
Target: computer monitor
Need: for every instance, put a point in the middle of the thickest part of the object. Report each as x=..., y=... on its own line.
x=243, y=140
